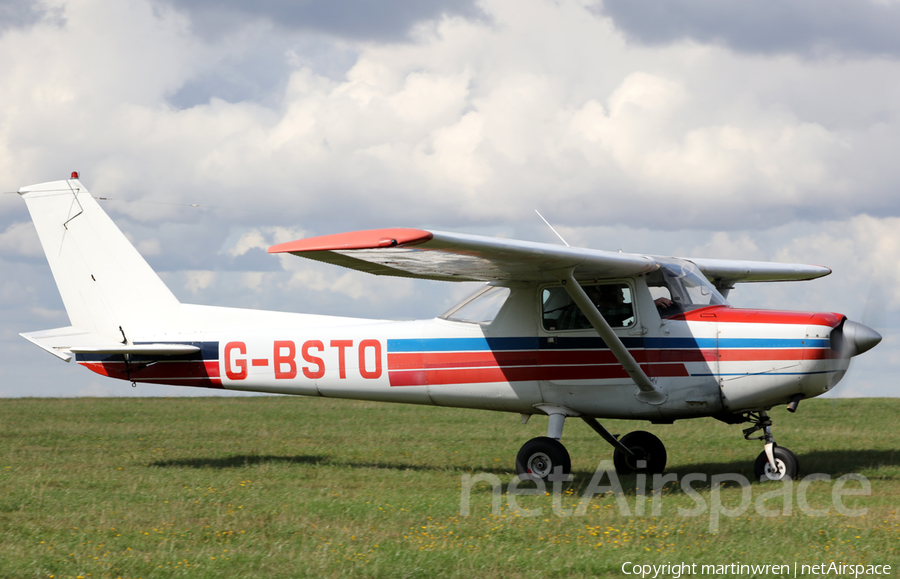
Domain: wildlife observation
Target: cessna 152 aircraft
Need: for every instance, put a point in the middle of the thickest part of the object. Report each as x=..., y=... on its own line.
x=556, y=331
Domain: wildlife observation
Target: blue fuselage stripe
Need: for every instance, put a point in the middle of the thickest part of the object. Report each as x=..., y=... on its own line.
x=562, y=343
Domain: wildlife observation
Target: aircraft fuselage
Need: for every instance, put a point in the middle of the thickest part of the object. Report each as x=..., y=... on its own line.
x=710, y=360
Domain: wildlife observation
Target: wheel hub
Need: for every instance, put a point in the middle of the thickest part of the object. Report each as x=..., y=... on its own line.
x=539, y=464
x=773, y=474
x=639, y=455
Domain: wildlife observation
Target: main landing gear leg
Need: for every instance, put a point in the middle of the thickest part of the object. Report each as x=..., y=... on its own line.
x=774, y=462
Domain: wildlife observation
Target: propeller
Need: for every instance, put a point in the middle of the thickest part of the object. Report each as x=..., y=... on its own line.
x=851, y=338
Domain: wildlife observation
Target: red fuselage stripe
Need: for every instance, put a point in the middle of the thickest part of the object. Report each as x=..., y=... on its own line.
x=177, y=373
x=421, y=377
x=422, y=368
x=729, y=315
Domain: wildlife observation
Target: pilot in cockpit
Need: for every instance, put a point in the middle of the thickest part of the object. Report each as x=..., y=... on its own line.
x=662, y=294
x=610, y=301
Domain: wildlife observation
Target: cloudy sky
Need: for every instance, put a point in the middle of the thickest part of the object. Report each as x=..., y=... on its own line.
x=713, y=128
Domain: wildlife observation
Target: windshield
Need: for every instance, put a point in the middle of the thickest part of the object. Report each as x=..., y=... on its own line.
x=479, y=308
x=678, y=286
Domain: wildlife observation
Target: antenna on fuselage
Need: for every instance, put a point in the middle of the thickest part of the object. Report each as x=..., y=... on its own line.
x=551, y=228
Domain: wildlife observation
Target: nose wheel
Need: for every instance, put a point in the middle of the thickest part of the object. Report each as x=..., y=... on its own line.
x=786, y=465
x=775, y=462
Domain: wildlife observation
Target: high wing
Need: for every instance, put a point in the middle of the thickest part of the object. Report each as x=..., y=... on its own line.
x=439, y=255
x=460, y=257
x=724, y=273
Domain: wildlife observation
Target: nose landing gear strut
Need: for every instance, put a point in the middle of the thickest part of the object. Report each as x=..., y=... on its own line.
x=775, y=462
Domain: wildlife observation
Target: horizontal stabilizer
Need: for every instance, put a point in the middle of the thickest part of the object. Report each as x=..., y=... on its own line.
x=58, y=341
x=140, y=349
x=64, y=342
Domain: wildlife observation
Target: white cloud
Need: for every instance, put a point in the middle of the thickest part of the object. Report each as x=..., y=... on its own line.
x=263, y=238
x=149, y=247
x=479, y=120
x=20, y=239
x=726, y=245
x=199, y=280
x=865, y=250
x=253, y=279
x=250, y=240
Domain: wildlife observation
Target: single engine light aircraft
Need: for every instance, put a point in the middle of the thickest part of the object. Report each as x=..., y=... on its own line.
x=555, y=331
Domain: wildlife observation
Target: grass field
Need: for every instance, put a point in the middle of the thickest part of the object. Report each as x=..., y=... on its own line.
x=300, y=487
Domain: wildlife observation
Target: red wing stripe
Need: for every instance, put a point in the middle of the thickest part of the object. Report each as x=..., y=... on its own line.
x=371, y=239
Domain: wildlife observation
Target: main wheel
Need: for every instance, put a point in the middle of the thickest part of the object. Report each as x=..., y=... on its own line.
x=540, y=456
x=785, y=461
x=646, y=447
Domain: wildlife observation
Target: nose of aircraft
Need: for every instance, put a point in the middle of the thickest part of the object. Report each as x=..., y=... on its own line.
x=852, y=338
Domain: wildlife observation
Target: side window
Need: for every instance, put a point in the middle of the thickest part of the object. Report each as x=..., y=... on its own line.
x=614, y=301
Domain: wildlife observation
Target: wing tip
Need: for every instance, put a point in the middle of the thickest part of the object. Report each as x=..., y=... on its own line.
x=368, y=239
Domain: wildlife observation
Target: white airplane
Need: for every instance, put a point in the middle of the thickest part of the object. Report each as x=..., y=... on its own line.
x=556, y=331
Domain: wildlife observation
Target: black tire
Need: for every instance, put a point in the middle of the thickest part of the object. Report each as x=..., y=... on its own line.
x=540, y=456
x=646, y=447
x=794, y=456
x=787, y=462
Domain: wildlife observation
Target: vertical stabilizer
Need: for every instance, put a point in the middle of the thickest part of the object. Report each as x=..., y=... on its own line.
x=107, y=287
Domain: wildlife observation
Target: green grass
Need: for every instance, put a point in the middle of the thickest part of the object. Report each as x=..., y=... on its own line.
x=298, y=487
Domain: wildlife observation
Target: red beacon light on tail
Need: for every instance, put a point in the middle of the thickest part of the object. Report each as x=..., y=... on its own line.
x=74, y=175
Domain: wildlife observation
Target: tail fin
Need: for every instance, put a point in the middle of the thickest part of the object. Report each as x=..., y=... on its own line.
x=108, y=289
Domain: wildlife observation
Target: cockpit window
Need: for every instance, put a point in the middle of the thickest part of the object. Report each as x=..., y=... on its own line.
x=479, y=308
x=678, y=287
x=613, y=300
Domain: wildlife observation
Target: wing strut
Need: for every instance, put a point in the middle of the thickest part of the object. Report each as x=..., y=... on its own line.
x=649, y=392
